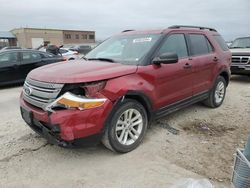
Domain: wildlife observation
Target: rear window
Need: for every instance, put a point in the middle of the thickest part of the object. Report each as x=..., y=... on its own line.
x=199, y=44
x=221, y=42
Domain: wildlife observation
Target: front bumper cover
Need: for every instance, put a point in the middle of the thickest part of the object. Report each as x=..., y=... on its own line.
x=51, y=132
x=67, y=127
x=240, y=68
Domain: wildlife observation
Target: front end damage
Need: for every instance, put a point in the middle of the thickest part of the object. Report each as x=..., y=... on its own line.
x=66, y=115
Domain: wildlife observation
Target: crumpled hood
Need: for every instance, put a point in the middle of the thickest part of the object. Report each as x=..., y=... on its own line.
x=240, y=51
x=80, y=71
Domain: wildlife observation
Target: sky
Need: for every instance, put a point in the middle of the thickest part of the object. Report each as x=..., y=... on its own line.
x=108, y=17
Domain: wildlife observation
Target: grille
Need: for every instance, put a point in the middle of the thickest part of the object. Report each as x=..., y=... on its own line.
x=40, y=94
x=240, y=59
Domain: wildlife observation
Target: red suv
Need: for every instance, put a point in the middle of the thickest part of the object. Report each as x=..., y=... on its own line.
x=125, y=83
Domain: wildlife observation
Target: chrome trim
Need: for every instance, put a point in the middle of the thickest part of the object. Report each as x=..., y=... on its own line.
x=240, y=59
x=43, y=93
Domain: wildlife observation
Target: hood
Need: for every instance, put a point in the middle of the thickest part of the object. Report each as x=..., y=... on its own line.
x=80, y=71
x=240, y=51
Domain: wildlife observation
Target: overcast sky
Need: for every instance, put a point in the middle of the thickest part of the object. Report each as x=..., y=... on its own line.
x=107, y=17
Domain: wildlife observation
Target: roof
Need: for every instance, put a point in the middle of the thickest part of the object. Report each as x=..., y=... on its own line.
x=171, y=28
x=20, y=50
x=6, y=35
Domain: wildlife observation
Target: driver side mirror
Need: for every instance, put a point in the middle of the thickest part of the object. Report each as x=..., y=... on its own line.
x=166, y=58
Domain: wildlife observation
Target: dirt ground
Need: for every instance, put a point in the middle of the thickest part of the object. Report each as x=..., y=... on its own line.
x=204, y=145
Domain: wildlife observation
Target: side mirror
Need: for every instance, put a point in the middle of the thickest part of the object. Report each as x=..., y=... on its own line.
x=166, y=58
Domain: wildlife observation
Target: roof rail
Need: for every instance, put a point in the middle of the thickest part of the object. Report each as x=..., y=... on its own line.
x=190, y=26
x=127, y=30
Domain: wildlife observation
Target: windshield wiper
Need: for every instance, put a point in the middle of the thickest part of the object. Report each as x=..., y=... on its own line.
x=101, y=59
x=236, y=47
x=83, y=57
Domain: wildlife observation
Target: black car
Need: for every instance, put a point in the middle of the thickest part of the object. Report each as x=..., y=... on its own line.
x=16, y=64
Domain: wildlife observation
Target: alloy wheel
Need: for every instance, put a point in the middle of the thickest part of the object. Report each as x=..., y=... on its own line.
x=129, y=126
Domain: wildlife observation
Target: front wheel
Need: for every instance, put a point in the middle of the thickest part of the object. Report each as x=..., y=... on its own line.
x=126, y=127
x=217, y=94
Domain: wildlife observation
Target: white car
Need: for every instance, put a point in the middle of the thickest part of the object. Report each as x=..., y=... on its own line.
x=69, y=54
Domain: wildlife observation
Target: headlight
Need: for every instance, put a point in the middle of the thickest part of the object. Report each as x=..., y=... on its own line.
x=93, y=88
x=69, y=100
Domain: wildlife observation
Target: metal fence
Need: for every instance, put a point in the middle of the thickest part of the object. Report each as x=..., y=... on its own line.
x=241, y=171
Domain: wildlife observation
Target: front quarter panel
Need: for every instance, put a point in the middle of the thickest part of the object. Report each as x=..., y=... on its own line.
x=133, y=83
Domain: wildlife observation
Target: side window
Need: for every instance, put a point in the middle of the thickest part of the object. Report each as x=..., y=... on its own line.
x=210, y=48
x=31, y=56
x=175, y=43
x=221, y=42
x=8, y=58
x=199, y=44
x=47, y=55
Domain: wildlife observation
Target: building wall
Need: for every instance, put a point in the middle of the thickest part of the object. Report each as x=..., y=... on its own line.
x=25, y=36
x=78, y=37
x=21, y=39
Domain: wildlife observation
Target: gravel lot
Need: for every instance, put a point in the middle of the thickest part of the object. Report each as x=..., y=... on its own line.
x=204, y=147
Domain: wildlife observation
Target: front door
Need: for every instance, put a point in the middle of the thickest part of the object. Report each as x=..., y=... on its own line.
x=174, y=82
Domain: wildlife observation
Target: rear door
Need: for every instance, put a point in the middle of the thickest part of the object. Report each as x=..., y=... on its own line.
x=9, y=67
x=29, y=61
x=203, y=59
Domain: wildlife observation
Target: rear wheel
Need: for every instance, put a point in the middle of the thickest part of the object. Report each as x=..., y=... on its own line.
x=126, y=127
x=217, y=94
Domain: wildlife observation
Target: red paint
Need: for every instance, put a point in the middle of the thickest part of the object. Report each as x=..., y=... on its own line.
x=80, y=71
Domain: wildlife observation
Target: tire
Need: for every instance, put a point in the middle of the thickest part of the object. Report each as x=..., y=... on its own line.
x=124, y=136
x=217, y=94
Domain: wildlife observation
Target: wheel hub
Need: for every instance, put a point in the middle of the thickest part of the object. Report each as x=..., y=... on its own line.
x=129, y=126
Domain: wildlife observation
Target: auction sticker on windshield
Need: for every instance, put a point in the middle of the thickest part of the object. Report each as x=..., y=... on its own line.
x=147, y=39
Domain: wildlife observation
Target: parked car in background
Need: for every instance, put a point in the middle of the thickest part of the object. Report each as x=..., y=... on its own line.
x=66, y=53
x=240, y=49
x=82, y=48
x=69, y=54
x=124, y=83
x=229, y=43
x=17, y=63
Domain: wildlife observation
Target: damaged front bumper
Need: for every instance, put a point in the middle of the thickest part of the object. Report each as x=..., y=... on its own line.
x=67, y=128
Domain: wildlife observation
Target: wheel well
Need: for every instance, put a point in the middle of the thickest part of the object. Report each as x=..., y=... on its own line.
x=225, y=76
x=144, y=101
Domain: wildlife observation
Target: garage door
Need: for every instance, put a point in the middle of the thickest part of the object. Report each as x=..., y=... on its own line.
x=36, y=42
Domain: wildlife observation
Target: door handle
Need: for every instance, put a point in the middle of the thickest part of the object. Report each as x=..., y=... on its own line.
x=187, y=66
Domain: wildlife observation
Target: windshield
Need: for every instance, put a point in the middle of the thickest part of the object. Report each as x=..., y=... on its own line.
x=241, y=43
x=125, y=49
